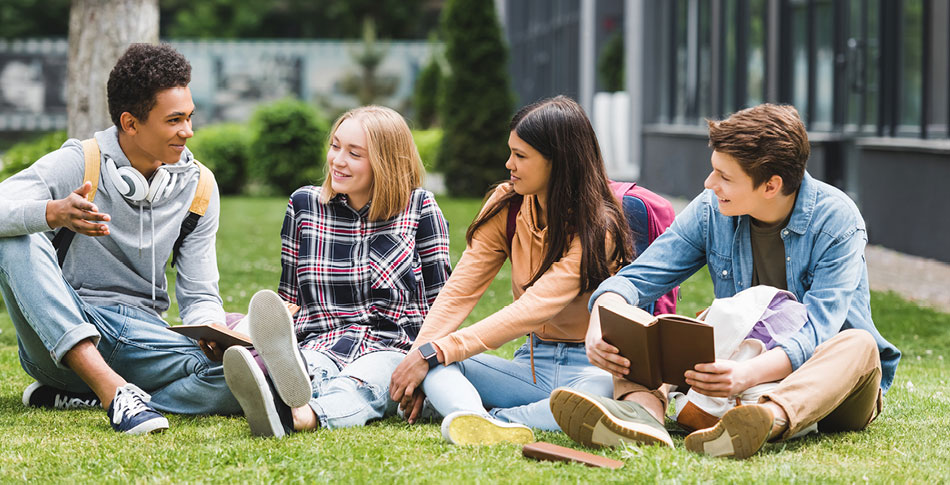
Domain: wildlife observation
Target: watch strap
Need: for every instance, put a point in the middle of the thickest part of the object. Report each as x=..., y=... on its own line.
x=430, y=354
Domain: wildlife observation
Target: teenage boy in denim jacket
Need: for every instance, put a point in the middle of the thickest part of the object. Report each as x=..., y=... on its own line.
x=761, y=220
x=95, y=323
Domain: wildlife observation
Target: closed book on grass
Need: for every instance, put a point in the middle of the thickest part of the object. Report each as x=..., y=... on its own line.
x=660, y=348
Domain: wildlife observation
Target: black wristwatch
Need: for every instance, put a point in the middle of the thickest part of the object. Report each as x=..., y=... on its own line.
x=430, y=354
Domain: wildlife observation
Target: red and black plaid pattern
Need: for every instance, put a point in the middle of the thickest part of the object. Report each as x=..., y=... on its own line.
x=362, y=285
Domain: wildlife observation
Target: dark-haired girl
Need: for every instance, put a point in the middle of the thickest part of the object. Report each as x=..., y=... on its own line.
x=567, y=234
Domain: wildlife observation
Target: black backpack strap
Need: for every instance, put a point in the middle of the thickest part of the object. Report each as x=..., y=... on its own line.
x=198, y=207
x=61, y=241
x=91, y=159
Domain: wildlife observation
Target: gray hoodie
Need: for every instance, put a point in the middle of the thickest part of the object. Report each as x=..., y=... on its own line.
x=128, y=266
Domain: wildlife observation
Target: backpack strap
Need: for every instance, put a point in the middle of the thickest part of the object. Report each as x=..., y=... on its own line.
x=199, y=205
x=620, y=189
x=514, y=207
x=90, y=151
x=91, y=156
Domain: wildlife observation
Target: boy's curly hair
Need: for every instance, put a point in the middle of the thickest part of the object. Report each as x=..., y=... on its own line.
x=140, y=74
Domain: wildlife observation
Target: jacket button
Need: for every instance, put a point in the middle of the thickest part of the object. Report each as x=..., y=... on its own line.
x=725, y=273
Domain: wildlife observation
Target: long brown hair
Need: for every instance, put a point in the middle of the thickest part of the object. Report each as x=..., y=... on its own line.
x=580, y=202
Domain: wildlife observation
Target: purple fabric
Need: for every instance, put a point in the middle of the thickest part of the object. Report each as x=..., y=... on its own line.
x=783, y=318
x=231, y=319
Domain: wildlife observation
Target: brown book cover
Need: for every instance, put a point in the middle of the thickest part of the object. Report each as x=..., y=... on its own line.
x=551, y=452
x=223, y=335
x=660, y=348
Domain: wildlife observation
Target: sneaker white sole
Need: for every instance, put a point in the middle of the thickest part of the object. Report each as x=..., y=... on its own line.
x=28, y=392
x=272, y=332
x=249, y=386
x=155, y=425
x=590, y=424
x=467, y=428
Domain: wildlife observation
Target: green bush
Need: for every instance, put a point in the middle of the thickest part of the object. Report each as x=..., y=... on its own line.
x=477, y=101
x=610, y=63
x=287, y=146
x=23, y=154
x=425, y=98
x=427, y=141
x=225, y=149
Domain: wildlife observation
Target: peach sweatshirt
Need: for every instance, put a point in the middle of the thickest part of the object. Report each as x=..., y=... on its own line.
x=551, y=307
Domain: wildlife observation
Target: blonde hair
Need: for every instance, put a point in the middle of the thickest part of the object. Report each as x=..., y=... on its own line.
x=393, y=158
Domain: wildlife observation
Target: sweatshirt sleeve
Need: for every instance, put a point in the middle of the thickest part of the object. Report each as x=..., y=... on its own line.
x=23, y=197
x=553, y=291
x=197, y=280
x=474, y=272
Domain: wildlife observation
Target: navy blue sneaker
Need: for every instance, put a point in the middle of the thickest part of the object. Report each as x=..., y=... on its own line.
x=43, y=396
x=266, y=413
x=130, y=412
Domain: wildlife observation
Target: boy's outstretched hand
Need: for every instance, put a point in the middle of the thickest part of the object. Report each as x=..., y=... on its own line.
x=77, y=214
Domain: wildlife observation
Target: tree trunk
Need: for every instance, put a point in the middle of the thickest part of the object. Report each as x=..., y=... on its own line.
x=99, y=32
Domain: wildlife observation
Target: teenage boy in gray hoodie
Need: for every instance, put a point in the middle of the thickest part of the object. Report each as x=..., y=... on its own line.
x=93, y=322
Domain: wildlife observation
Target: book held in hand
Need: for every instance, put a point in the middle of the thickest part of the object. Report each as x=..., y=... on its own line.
x=660, y=348
x=217, y=333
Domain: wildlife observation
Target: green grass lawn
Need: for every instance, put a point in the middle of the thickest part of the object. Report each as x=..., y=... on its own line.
x=908, y=443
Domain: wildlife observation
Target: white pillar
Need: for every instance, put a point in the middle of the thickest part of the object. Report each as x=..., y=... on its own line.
x=587, y=55
x=633, y=46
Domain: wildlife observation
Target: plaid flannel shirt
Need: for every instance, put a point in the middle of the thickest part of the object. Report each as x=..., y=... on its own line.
x=362, y=286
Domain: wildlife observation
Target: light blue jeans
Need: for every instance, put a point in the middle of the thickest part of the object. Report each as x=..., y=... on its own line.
x=355, y=394
x=506, y=387
x=50, y=319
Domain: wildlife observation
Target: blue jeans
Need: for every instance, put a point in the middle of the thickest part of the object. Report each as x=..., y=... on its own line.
x=506, y=387
x=50, y=319
x=354, y=395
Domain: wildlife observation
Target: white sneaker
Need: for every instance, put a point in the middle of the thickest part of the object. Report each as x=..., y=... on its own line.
x=272, y=331
x=265, y=415
x=468, y=428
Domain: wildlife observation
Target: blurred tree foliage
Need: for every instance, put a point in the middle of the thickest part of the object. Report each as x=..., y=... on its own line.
x=477, y=101
x=33, y=18
x=367, y=85
x=427, y=93
x=325, y=19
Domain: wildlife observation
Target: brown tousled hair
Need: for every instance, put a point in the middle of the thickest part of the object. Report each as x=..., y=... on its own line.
x=766, y=140
x=579, y=201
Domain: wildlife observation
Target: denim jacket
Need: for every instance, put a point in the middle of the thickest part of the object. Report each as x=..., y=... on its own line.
x=825, y=267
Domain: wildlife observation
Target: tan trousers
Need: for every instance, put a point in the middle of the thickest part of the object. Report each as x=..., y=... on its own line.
x=847, y=402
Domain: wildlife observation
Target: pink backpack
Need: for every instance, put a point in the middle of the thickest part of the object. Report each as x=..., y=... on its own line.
x=647, y=213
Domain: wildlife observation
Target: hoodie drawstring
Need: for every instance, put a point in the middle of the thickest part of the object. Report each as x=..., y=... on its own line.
x=151, y=218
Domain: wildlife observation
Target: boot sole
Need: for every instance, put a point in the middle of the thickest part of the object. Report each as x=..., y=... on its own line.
x=272, y=332
x=590, y=424
x=740, y=433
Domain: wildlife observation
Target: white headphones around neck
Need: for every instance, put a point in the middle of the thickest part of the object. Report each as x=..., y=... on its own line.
x=134, y=186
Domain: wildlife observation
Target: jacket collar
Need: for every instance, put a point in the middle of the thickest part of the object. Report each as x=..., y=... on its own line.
x=804, y=205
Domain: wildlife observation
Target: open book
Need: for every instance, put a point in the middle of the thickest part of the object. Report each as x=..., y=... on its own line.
x=660, y=348
x=217, y=333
